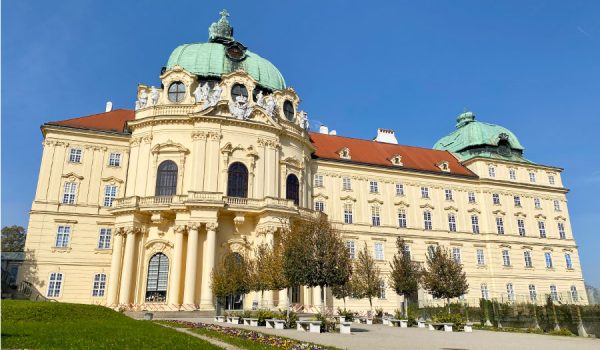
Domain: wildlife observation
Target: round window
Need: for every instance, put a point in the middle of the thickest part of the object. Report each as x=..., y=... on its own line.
x=288, y=110
x=176, y=91
x=239, y=91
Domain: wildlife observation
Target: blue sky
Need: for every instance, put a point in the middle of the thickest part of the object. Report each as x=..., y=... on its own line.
x=531, y=66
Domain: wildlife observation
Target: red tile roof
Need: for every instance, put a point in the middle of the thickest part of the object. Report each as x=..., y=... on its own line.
x=108, y=121
x=379, y=153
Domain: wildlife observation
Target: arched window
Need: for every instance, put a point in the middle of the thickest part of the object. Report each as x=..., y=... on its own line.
x=158, y=273
x=239, y=90
x=292, y=189
x=166, y=179
x=237, y=181
x=288, y=110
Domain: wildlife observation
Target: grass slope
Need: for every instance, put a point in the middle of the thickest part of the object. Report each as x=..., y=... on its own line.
x=46, y=325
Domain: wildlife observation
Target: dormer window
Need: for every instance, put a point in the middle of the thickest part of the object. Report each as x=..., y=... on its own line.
x=444, y=166
x=397, y=160
x=176, y=92
x=344, y=153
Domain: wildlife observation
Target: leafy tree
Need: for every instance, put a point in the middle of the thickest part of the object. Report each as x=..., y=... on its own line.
x=13, y=238
x=267, y=269
x=342, y=291
x=366, y=276
x=444, y=277
x=405, y=274
x=231, y=276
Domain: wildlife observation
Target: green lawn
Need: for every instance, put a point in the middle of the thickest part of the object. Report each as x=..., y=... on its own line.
x=47, y=325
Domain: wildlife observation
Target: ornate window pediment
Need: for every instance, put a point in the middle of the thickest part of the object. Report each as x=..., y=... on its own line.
x=348, y=198
x=429, y=206
x=320, y=195
x=540, y=216
x=158, y=244
x=375, y=200
x=498, y=212
x=170, y=147
x=401, y=204
x=474, y=210
x=451, y=208
x=561, y=218
x=521, y=214
x=396, y=160
x=113, y=180
x=72, y=176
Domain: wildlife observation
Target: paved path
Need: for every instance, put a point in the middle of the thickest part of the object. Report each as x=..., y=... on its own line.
x=379, y=337
x=213, y=341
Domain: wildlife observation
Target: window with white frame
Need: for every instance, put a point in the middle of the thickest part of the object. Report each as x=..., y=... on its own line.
x=320, y=206
x=69, y=193
x=551, y=180
x=114, y=159
x=448, y=193
x=456, y=254
x=527, y=257
x=110, y=193
x=379, y=251
x=521, y=227
x=492, y=171
x=346, y=184
x=63, y=236
x=496, y=198
x=99, y=285
x=430, y=250
x=402, y=218
x=542, y=229
x=424, y=192
x=75, y=155
x=348, y=213
x=485, y=294
x=471, y=197
x=350, y=244
x=407, y=250
x=548, y=258
x=537, y=203
x=427, y=220
x=574, y=294
x=318, y=181
x=512, y=174
x=104, y=238
x=561, y=231
x=500, y=225
x=54, y=285
x=532, y=293
x=480, y=257
x=556, y=205
x=510, y=292
x=474, y=223
x=381, y=289
x=505, y=257
x=373, y=186
x=553, y=293
x=531, y=177
x=451, y=222
x=375, y=216
x=399, y=189
x=568, y=261
x=517, y=201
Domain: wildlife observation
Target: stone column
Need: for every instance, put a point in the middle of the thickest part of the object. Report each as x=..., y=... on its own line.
x=175, y=280
x=283, y=299
x=128, y=266
x=191, y=266
x=317, y=297
x=115, y=269
x=206, y=294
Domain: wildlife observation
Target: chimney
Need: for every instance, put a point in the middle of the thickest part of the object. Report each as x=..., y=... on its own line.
x=333, y=132
x=386, y=136
x=323, y=129
x=108, y=106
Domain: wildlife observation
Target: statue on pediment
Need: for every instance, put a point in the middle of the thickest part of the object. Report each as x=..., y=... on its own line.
x=201, y=92
x=154, y=95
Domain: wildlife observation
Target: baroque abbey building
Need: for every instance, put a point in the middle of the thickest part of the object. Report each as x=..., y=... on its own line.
x=134, y=208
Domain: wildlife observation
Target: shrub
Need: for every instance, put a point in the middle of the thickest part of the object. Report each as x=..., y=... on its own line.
x=450, y=318
x=563, y=331
x=349, y=315
x=326, y=324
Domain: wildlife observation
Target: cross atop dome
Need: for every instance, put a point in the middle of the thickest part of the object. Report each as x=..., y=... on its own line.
x=221, y=31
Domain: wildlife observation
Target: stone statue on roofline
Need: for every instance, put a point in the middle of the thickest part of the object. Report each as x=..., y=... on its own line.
x=154, y=95
x=270, y=106
x=143, y=99
x=303, y=120
x=240, y=108
x=215, y=95
x=260, y=99
x=201, y=92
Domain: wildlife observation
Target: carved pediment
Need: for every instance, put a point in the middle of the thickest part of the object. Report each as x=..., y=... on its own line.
x=560, y=217
x=348, y=198
x=72, y=176
x=112, y=180
x=170, y=147
x=321, y=195
x=292, y=161
x=375, y=200
x=401, y=204
x=498, y=212
x=474, y=210
x=158, y=244
x=540, y=216
x=521, y=214
x=429, y=206
x=451, y=208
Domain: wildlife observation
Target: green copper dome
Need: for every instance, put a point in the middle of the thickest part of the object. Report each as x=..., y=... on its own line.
x=222, y=55
x=473, y=138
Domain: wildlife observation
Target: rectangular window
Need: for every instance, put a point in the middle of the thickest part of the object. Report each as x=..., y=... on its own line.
x=551, y=179
x=537, y=203
x=521, y=227
x=320, y=206
x=427, y=220
x=348, y=213
x=500, y=225
x=512, y=173
x=456, y=254
x=561, y=230
x=510, y=292
x=553, y=293
x=568, y=261
x=451, y=222
x=402, y=218
x=375, y=216
x=492, y=171
x=527, y=257
x=475, y=223
x=379, y=251
x=496, y=198
x=484, y=292
x=104, y=238
x=346, y=184
x=532, y=293
x=373, y=186
x=351, y=249
x=54, y=284
x=75, y=155
x=548, y=258
x=505, y=258
x=318, y=180
x=114, y=159
x=448, y=194
x=63, y=235
x=424, y=192
x=531, y=177
x=69, y=193
x=480, y=257
x=407, y=251
x=517, y=201
x=381, y=289
x=471, y=196
x=99, y=285
x=556, y=205
x=542, y=228
x=110, y=193
x=399, y=189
